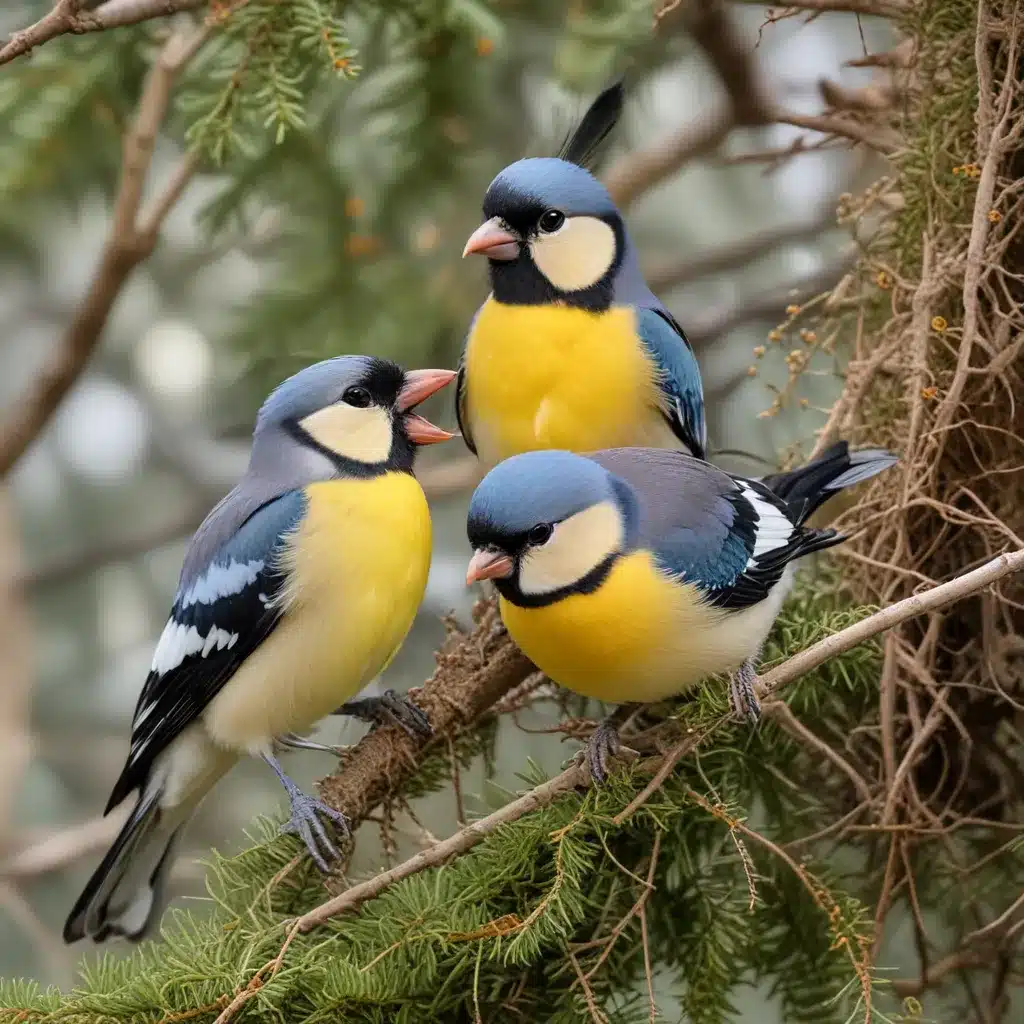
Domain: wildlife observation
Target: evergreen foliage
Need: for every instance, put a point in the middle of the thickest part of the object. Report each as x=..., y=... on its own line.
x=496, y=931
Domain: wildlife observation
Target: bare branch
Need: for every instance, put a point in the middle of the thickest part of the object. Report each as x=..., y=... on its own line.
x=473, y=671
x=462, y=841
x=883, y=140
x=910, y=607
x=126, y=247
x=876, y=8
x=578, y=776
x=64, y=847
x=640, y=172
x=738, y=254
x=68, y=18
x=440, y=481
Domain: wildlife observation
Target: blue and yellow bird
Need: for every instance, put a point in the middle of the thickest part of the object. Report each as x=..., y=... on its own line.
x=572, y=349
x=629, y=575
x=296, y=591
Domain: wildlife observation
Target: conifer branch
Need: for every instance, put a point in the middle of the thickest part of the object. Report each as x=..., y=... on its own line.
x=463, y=840
x=130, y=241
x=68, y=18
x=577, y=776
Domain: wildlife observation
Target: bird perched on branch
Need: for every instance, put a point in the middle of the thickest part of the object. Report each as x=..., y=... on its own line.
x=629, y=575
x=571, y=349
x=296, y=592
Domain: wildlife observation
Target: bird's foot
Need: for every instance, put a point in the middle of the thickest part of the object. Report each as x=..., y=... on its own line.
x=305, y=822
x=603, y=746
x=295, y=742
x=742, y=698
x=390, y=708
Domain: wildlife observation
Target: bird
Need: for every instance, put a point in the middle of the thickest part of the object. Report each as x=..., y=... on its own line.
x=628, y=575
x=571, y=349
x=296, y=591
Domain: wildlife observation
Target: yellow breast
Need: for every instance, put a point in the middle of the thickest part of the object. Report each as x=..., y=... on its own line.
x=358, y=568
x=641, y=636
x=558, y=377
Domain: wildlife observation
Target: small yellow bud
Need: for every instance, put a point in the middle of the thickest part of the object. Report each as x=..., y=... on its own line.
x=939, y=324
x=929, y=393
x=759, y=351
x=775, y=335
x=792, y=309
x=808, y=337
x=751, y=371
x=994, y=216
x=804, y=403
x=883, y=280
x=484, y=46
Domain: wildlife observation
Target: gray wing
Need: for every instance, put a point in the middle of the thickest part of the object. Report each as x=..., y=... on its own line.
x=728, y=535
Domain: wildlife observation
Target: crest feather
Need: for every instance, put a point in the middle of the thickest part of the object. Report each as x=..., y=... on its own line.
x=582, y=145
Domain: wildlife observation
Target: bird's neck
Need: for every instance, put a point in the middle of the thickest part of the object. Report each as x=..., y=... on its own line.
x=518, y=282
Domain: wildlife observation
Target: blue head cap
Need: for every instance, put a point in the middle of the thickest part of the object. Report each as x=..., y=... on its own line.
x=534, y=488
x=525, y=189
x=324, y=383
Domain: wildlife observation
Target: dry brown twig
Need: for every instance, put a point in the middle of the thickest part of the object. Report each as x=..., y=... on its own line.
x=133, y=235
x=69, y=18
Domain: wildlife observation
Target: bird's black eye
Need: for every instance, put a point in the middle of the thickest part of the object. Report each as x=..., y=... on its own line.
x=539, y=535
x=359, y=397
x=550, y=221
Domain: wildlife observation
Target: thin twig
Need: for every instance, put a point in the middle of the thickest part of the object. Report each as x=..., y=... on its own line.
x=460, y=842
x=126, y=247
x=67, y=17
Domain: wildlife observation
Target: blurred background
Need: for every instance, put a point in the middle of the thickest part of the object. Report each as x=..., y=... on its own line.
x=345, y=237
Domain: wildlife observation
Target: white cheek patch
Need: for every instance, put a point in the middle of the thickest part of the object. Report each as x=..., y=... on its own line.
x=577, y=545
x=774, y=530
x=576, y=256
x=364, y=435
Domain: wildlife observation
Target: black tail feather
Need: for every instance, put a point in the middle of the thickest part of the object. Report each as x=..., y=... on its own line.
x=583, y=143
x=806, y=489
x=91, y=914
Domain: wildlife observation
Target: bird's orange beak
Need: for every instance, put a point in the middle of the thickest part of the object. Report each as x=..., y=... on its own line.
x=493, y=240
x=488, y=564
x=419, y=386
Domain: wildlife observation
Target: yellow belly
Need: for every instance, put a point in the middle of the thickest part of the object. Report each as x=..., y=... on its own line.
x=359, y=563
x=639, y=637
x=555, y=377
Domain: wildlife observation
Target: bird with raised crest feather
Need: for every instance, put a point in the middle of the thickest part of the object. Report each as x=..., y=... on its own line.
x=572, y=349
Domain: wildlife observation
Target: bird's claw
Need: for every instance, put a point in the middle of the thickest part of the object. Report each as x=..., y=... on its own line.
x=603, y=746
x=293, y=741
x=390, y=708
x=742, y=698
x=306, y=824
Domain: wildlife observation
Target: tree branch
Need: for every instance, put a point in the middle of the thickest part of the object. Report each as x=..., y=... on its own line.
x=472, y=672
x=68, y=18
x=462, y=841
x=126, y=247
x=440, y=481
x=639, y=172
x=577, y=775
x=738, y=254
